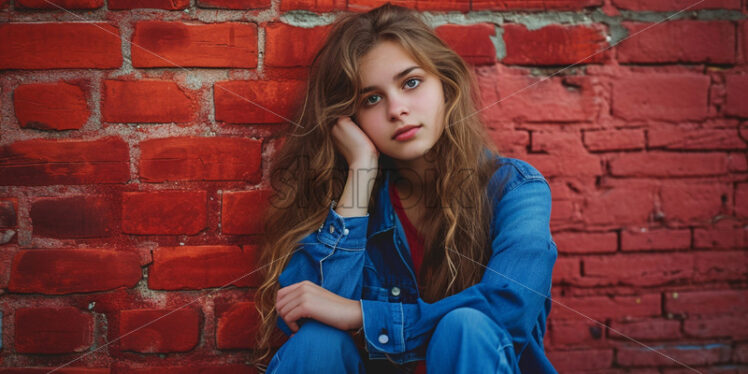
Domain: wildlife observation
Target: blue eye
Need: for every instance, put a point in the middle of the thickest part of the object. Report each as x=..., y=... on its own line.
x=368, y=101
x=411, y=80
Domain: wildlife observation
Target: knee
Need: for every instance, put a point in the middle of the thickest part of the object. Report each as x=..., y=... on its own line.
x=463, y=320
x=317, y=347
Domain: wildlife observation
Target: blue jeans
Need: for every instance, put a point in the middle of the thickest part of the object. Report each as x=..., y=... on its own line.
x=464, y=341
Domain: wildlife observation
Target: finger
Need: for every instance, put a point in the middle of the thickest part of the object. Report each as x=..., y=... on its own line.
x=284, y=309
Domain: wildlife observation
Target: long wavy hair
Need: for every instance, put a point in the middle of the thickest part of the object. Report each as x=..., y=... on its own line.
x=307, y=172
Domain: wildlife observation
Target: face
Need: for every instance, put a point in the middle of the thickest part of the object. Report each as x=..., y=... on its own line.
x=398, y=93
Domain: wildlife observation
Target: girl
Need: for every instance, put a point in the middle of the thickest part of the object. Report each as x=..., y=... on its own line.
x=397, y=238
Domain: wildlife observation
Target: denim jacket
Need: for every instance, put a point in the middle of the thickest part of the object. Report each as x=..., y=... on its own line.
x=367, y=258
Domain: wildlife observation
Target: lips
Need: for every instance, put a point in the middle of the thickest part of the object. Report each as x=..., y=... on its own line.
x=403, y=129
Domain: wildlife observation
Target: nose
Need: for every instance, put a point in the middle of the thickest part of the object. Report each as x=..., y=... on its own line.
x=397, y=108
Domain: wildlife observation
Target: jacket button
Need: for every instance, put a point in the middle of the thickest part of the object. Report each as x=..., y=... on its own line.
x=395, y=291
x=332, y=229
x=345, y=231
x=383, y=339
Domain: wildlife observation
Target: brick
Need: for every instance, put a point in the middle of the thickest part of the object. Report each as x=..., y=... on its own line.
x=218, y=45
x=639, y=269
x=6, y=259
x=199, y=267
x=65, y=370
x=614, y=140
x=741, y=200
x=534, y=5
x=152, y=4
x=579, y=360
x=576, y=333
x=586, y=242
x=290, y=46
x=685, y=41
x=743, y=37
x=729, y=326
x=673, y=355
x=234, y=4
x=63, y=271
x=8, y=212
x=604, y=307
x=164, y=212
x=623, y=205
x=554, y=45
x=564, y=155
x=707, y=302
x=649, y=329
x=421, y=5
x=562, y=211
x=737, y=162
x=146, y=101
x=512, y=143
x=665, y=5
x=566, y=270
x=203, y=159
x=242, y=212
x=740, y=354
x=89, y=216
x=191, y=369
x=237, y=327
x=667, y=164
x=52, y=330
x=689, y=201
x=40, y=162
x=709, y=139
x=59, y=46
x=643, y=239
x=156, y=330
x=51, y=106
x=721, y=266
x=668, y=97
x=318, y=6
x=57, y=4
x=737, y=99
x=535, y=99
x=724, y=234
x=472, y=42
x=256, y=101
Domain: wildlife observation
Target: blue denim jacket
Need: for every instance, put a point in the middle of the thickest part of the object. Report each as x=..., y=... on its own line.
x=367, y=258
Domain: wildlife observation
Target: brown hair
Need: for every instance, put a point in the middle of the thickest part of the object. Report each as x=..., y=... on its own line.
x=308, y=173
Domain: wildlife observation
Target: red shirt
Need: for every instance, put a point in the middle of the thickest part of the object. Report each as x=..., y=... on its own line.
x=415, y=242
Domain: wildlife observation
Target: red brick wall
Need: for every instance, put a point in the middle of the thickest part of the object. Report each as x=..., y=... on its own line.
x=133, y=170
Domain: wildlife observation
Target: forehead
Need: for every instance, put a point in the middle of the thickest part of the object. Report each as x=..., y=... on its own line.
x=383, y=62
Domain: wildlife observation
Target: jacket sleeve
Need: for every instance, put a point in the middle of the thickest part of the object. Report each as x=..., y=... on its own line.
x=513, y=289
x=332, y=257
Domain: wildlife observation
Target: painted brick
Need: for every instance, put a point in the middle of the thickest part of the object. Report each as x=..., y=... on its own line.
x=57, y=4
x=51, y=106
x=533, y=99
x=707, y=302
x=689, y=354
x=88, y=216
x=59, y=46
x=39, y=162
x=146, y=101
x=604, y=307
x=512, y=143
x=52, y=330
x=576, y=333
x=191, y=369
x=586, y=242
x=639, y=269
x=648, y=329
x=667, y=164
x=665, y=5
x=737, y=161
x=256, y=101
x=155, y=330
x=644, y=240
x=740, y=354
x=242, y=212
x=8, y=212
x=566, y=270
x=290, y=46
x=63, y=271
x=687, y=41
x=234, y=4
x=554, y=45
x=563, y=155
x=318, y=6
x=580, y=360
x=668, y=97
x=689, y=201
x=237, y=327
x=534, y=5
x=164, y=212
x=729, y=326
x=737, y=98
x=721, y=266
x=224, y=45
x=741, y=200
x=472, y=42
x=205, y=159
x=152, y=4
x=723, y=234
x=421, y=5
x=198, y=267
x=621, y=205
x=65, y=370
x=614, y=140
x=708, y=139
x=743, y=37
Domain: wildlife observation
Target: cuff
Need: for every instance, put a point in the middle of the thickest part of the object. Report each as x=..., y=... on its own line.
x=383, y=325
x=343, y=232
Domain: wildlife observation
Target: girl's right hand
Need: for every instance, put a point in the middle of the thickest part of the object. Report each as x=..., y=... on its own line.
x=354, y=144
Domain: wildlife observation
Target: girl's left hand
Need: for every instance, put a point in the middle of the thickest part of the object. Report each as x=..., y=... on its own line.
x=308, y=300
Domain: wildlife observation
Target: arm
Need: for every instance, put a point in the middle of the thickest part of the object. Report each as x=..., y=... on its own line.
x=512, y=294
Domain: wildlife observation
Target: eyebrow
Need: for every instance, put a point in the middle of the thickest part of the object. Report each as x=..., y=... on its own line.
x=396, y=77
